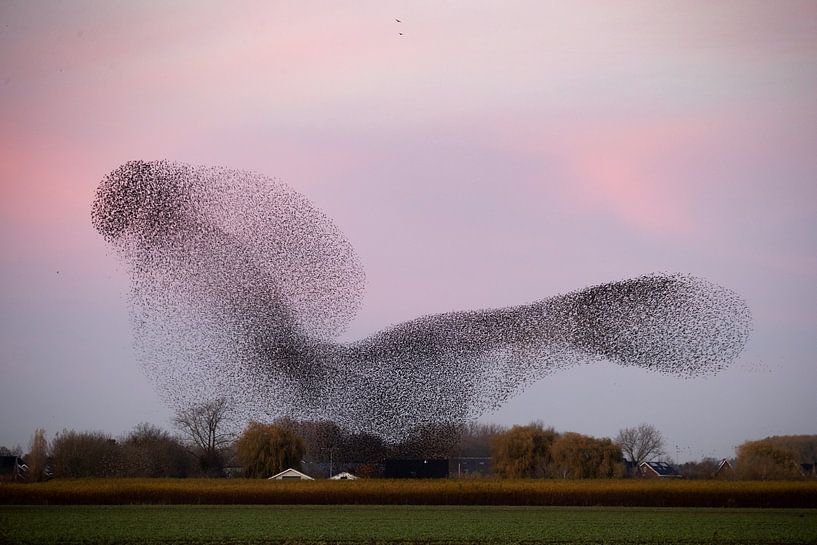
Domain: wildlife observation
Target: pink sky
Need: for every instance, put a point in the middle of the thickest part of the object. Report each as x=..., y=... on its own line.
x=497, y=153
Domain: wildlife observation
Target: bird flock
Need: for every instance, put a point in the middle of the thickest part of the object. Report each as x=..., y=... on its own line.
x=240, y=286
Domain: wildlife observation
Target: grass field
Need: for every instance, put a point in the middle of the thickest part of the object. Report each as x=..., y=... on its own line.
x=611, y=493
x=91, y=525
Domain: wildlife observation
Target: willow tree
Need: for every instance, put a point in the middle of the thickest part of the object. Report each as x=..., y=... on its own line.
x=765, y=460
x=266, y=449
x=523, y=451
x=37, y=458
x=577, y=456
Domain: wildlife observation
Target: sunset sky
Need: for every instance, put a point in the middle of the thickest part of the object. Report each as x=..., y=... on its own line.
x=494, y=154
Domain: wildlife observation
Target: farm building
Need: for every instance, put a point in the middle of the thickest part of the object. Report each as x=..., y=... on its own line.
x=470, y=466
x=725, y=470
x=291, y=475
x=344, y=476
x=416, y=469
x=658, y=470
x=12, y=468
x=321, y=470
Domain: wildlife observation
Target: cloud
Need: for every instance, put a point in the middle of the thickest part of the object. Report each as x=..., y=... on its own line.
x=619, y=169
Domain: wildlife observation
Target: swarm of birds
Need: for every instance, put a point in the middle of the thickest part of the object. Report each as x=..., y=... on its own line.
x=239, y=286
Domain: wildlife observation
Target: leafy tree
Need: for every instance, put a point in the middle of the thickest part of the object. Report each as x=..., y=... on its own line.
x=577, y=456
x=149, y=451
x=37, y=457
x=765, y=460
x=267, y=449
x=205, y=425
x=641, y=444
x=523, y=451
x=85, y=454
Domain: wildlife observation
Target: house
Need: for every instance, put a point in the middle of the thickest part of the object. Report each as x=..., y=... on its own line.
x=322, y=470
x=725, y=470
x=291, y=475
x=344, y=476
x=658, y=470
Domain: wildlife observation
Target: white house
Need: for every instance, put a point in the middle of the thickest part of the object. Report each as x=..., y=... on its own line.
x=291, y=475
x=344, y=475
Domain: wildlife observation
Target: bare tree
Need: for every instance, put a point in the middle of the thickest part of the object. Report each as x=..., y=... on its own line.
x=641, y=444
x=204, y=425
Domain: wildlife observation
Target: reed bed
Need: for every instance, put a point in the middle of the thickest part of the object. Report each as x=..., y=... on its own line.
x=613, y=493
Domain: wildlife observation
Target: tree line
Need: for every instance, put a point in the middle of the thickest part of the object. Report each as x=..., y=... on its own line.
x=205, y=446
x=146, y=451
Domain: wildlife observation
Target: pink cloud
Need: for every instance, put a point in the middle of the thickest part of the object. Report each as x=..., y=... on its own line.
x=46, y=186
x=619, y=169
x=622, y=169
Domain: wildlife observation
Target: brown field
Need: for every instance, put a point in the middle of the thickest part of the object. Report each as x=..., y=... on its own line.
x=613, y=493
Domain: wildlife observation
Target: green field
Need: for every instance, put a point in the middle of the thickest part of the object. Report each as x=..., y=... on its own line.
x=403, y=524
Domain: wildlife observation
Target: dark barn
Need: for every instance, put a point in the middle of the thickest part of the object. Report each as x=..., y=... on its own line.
x=12, y=468
x=416, y=469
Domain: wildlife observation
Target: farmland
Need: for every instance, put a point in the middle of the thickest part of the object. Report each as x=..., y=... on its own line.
x=404, y=524
x=244, y=511
x=523, y=492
